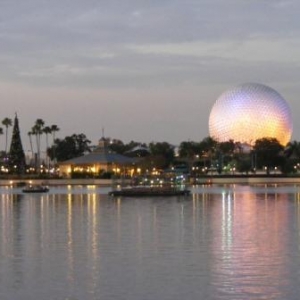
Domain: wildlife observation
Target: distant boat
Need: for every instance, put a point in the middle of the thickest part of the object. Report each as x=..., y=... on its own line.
x=144, y=191
x=35, y=189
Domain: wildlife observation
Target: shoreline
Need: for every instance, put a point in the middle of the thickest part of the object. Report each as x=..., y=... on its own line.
x=247, y=180
x=56, y=182
x=112, y=182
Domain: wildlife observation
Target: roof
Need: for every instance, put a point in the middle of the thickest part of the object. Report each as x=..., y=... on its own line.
x=98, y=158
x=139, y=148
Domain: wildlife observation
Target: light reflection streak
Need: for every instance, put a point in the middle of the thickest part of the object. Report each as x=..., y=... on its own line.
x=93, y=221
x=155, y=228
x=93, y=242
x=70, y=239
x=297, y=201
x=241, y=226
x=119, y=210
x=139, y=241
x=194, y=216
x=227, y=220
x=11, y=250
x=6, y=217
x=42, y=221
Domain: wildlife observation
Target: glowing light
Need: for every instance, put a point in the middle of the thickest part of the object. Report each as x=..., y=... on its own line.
x=250, y=112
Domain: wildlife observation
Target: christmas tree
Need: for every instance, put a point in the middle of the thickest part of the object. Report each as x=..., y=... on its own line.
x=16, y=154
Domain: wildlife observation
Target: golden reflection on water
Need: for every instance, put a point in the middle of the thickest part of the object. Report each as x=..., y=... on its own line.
x=70, y=256
x=93, y=212
x=93, y=238
x=119, y=211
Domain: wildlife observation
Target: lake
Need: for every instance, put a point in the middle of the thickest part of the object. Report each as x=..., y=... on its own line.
x=222, y=242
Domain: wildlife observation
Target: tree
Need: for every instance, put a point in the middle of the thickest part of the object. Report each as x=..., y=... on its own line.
x=16, y=154
x=269, y=153
x=47, y=131
x=209, y=145
x=292, y=157
x=117, y=146
x=243, y=163
x=30, y=141
x=6, y=122
x=3, y=154
x=227, y=148
x=37, y=130
x=224, y=154
x=292, y=150
x=54, y=128
x=188, y=149
x=163, y=150
x=69, y=147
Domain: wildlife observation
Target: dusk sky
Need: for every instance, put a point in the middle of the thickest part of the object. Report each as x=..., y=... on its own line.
x=145, y=70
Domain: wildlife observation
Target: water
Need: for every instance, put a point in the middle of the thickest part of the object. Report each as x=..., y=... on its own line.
x=222, y=242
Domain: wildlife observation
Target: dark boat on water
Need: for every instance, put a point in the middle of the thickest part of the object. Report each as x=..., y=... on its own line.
x=35, y=189
x=149, y=191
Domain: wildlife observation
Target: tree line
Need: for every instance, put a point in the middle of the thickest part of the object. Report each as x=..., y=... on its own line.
x=196, y=158
x=209, y=156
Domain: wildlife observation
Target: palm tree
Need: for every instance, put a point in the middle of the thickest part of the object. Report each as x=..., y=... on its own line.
x=37, y=130
x=1, y=132
x=30, y=133
x=47, y=130
x=6, y=122
x=54, y=129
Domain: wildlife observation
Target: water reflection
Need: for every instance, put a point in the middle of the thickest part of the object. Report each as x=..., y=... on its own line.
x=252, y=242
x=229, y=242
x=249, y=249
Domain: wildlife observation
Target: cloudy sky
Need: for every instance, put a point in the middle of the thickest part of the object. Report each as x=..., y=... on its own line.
x=145, y=70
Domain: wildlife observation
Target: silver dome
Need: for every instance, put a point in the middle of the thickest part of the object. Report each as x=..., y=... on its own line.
x=250, y=112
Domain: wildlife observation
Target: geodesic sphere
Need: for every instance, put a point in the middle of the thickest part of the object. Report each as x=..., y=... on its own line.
x=249, y=112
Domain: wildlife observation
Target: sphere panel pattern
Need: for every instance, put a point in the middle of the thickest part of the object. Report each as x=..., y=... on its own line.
x=250, y=112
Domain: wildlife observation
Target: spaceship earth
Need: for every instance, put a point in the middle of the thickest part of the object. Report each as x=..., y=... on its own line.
x=249, y=112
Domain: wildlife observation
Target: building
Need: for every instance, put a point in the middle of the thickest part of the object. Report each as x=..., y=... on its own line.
x=101, y=160
x=249, y=112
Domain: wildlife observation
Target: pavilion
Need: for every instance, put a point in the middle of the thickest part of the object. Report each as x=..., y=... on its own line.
x=101, y=160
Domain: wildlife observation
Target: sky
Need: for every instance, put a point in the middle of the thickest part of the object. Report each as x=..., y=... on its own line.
x=142, y=70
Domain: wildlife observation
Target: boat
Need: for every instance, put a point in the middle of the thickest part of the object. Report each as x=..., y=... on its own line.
x=149, y=191
x=35, y=189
